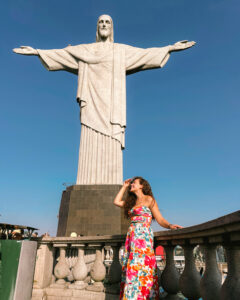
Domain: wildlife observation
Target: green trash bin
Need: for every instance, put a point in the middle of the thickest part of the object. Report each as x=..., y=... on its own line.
x=17, y=269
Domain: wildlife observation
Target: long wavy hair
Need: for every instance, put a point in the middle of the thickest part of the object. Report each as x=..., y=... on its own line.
x=131, y=198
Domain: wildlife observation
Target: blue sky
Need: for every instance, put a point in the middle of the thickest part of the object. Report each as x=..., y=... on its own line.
x=182, y=121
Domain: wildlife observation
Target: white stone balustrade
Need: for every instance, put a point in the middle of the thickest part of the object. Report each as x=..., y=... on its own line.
x=70, y=268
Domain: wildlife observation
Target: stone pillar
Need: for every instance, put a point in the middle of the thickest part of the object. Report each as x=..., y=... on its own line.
x=210, y=284
x=98, y=271
x=170, y=275
x=115, y=272
x=44, y=266
x=189, y=281
x=80, y=269
x=61, y=269
x=231, y=285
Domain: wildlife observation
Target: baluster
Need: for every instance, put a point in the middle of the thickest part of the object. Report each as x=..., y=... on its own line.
x=189, y=281
x=61, y=269
x=170, y=275
x=98, y=271
x=115, y=272
x=231, y=285
x=107, y=248
x=210, y=284
x=80, y=269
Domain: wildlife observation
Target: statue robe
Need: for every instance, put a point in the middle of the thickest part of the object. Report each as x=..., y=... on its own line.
x=101, y=93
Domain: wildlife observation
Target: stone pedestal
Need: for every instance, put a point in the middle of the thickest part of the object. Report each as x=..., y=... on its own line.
x=89, y=210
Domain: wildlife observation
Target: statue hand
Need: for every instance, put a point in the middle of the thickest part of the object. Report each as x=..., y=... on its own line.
x=182, y=45
x=25, y=50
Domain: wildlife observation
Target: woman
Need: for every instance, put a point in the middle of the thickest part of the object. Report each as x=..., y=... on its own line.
x=139, y=276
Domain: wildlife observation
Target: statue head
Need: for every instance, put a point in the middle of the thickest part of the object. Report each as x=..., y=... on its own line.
x=104, y=29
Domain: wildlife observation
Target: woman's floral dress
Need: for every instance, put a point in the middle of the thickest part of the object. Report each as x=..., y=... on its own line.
x=139, y=276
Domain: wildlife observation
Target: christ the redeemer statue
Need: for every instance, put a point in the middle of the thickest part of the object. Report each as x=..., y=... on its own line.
x=102, y=68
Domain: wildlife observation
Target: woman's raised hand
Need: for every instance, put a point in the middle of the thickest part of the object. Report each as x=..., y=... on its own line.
x=127, y=182
x=118, y=201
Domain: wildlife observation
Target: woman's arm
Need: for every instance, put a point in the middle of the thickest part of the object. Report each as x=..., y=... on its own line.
x=118, y=201
x=160, y=219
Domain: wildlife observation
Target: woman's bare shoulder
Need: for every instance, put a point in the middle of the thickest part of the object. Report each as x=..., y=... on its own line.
x=149, y=200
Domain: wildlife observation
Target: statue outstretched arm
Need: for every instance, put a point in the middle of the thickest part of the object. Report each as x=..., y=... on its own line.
x=181, y=45
x=25, y=50
x=138, y=59
x=54, y=59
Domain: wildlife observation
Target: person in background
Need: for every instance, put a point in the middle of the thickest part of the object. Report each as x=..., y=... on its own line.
x=46, y=234
x=17, y=235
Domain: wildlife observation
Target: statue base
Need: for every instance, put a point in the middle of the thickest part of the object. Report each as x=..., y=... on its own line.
x=89, y=210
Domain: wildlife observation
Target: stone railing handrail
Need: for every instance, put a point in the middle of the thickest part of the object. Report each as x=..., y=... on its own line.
x=83, y=239
x=227, y=224
x=74, y=257
x=218, y=227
